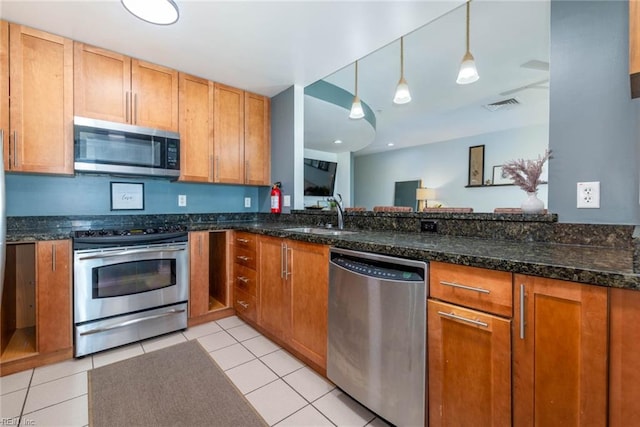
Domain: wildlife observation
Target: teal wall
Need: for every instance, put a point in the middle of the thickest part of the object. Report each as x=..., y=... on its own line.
x=36, y=195
x=594, y=124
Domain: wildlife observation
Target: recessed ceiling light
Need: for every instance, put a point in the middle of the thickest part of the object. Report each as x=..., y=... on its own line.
x=160, y=12
x=390, y=144
x=337, y=141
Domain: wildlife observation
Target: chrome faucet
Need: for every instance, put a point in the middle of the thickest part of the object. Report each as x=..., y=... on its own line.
x=338, y=201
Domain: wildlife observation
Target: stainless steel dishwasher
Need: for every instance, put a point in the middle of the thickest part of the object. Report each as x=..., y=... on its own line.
x=377, y=333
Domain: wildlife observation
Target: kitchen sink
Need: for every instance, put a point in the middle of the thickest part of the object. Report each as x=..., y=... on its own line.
x=319, y=230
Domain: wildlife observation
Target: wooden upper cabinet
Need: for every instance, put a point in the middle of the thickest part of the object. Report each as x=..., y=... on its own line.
x=53, y=272
x=559, y=353
x=634, y=47
x=257, y=139
x=4, y=90
x=155, y=95
x=228, y=135
x=113, y=87
x=41, y=103
x=196, y=129
x=102, y=84
x=624, y=363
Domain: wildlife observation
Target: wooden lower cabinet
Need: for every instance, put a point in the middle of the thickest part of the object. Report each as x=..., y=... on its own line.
x=209, y=284
x=469, y=367
x=624, y=359
x=36, y=323
x=245, y=276
x=293, y=295
x=559, y=353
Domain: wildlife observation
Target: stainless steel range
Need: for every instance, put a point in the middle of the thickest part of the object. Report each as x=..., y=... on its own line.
x=128, y=285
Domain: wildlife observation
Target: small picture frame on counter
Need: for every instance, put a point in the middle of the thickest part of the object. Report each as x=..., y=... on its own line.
x=127, y=196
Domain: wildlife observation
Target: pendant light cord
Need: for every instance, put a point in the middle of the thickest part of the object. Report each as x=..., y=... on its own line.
x=468, y=3
x=401, y=57
x=356, y=78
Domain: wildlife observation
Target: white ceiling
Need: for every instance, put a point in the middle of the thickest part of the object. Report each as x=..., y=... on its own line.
x=267, y=46
x=260, y=46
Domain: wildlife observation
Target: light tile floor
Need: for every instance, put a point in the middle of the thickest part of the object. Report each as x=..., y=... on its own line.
x=282, y=389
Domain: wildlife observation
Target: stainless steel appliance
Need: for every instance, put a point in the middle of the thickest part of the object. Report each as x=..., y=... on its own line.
x=128, y=285
x=377, y=333
x=107, y=147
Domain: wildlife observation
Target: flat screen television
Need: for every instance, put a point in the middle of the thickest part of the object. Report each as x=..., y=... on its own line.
x=319, y=177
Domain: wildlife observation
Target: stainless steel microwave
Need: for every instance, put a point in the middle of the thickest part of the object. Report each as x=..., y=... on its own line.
x=122, y=149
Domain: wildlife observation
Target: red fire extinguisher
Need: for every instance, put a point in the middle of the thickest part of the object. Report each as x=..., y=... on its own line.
x=276, y=198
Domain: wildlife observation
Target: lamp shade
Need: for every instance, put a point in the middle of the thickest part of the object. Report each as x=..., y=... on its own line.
x=468, y=72
x=402, y=92
x=161, y=12
x=356, y=109
x=425, y=193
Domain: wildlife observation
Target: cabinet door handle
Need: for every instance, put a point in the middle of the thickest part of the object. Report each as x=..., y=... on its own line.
x=522, y=316
x=200, y=245
x=217, y=168
x=246, y=171
x=15, y=148
x=243, y=279
x=127, y=107
x=135, y=108
x=243, y=258
x=463, y=319
x=283, y=256
x=286, y=261
x=242, y=240
x=243, y=304
x=465, y=287
x=53, y=257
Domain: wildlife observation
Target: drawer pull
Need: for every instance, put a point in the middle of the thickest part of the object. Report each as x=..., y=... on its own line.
x=463, y=319
x=468, y=288
x=243, y=304
x=242, y=240
x=243, y=258
x=243, y=279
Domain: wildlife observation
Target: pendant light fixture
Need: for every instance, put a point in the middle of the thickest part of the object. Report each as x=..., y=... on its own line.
x=468, y=72
x=356, y=107
x=160, y=12
x=402, y=90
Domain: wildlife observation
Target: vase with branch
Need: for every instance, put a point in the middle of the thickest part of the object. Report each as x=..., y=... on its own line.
x=526, y=175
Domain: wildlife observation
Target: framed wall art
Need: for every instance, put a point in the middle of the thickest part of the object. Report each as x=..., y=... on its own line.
x=127, y=196
x=499, y=177
x=476, y=165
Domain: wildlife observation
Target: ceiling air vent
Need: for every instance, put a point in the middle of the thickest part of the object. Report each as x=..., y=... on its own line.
x=505, y=104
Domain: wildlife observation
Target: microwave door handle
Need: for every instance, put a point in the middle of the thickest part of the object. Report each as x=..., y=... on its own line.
x=130, y=252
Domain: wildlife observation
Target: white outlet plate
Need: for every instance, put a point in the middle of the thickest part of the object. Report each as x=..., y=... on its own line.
x=588, y=195
x=182, y=200
x=247, y=202
x=286, y=201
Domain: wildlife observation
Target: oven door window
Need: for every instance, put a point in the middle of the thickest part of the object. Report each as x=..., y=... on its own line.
x=133, y=277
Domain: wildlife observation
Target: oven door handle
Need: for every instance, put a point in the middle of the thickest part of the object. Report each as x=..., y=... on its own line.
x=130, y=252
x=131, y=322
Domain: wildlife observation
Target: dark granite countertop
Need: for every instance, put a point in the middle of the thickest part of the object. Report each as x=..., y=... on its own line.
x=604, y=266
x=585, y=264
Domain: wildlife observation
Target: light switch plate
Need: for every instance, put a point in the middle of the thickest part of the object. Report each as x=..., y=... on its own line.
x=182, y=200
x=286, y=201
